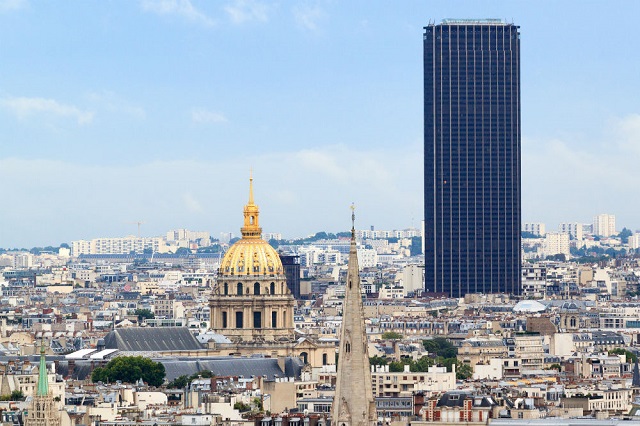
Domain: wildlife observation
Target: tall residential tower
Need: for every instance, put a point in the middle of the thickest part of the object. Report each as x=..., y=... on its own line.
x=472, y=157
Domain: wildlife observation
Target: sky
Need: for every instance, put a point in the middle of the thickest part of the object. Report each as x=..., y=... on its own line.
x=157, y=111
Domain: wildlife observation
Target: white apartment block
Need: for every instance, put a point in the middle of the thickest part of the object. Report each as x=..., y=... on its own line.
x=186, y=235
x=634, y=241
x=404, y=233
x=413, y=278
x=604, y=225
x=573, y=229
x=536, y=228
x=556, y=243
x=367, y=258
x=272, y=236
x=534, y=280
x=124, y=245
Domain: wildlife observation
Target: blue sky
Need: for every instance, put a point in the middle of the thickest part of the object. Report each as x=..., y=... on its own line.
x=113, y=112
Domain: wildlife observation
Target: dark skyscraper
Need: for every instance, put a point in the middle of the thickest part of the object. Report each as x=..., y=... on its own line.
x=472, y=157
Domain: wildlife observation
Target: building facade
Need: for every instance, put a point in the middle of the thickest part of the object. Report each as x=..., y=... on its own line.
x=472, y=157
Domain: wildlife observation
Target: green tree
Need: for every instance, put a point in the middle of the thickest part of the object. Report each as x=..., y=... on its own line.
x=391, y=335
x=129, y=369
x=463, y=371
x=555, y=367
x=398, y=366
x=143, y=314
x=440, y=346
x=274, y=243
x=377, y=360
x=422, y=365
x=183, y=250
x=624, y=235
x=182, y=381
x=630, y=356
x=241, y=406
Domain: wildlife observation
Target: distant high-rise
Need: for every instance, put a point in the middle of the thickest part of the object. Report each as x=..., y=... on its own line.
x=604, y=225
x=291, y=265
x=472, y=157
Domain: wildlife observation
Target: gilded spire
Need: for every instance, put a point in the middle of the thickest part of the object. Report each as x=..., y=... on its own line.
x=43, y=380
x=251, y=187
x=251, y=228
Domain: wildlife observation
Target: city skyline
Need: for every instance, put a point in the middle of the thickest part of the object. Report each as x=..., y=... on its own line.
x=142, y=112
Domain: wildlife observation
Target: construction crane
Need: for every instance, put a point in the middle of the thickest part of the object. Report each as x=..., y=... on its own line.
x=138, y=223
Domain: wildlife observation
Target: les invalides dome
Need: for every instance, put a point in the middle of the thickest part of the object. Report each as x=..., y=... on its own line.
x=251, y=300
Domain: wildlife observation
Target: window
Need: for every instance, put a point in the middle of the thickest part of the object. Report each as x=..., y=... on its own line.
x=272, y=288
x=224, y=320
x=256, y=288
x=239, y=289
x=274, y=319
x=324, y=359
x=257, y=319
x=239, y=319
x=226, y=289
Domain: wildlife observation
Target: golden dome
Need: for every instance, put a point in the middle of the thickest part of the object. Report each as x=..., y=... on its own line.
x=251, y=255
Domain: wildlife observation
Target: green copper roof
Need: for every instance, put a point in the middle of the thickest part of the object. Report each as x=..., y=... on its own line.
x=43, y=380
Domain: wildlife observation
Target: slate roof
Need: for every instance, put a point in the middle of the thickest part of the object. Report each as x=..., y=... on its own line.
x=232, y=366
x=220, y=366
x=152, y=339
x=457, y=398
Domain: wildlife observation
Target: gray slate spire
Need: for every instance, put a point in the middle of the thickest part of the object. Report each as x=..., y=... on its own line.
x=353, y=404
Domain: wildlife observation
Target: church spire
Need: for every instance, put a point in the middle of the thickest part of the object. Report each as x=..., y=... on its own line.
x=251, y=228
x=43, y=379
x=353, y=404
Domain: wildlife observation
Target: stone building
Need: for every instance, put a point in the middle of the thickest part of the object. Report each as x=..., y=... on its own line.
x=251, y=300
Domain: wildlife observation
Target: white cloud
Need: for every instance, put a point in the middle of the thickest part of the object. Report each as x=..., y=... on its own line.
x=297, y=195
x=23, y=107
x=241, y=11
x=192, y=204
x=206, y=116
x=7, y=5
x=183, y=8
x=308, y=17
x=112, y=102
x=627, y=131
x=572, y=179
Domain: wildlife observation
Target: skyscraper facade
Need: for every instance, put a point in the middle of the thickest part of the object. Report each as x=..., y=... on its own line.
x=472, y=157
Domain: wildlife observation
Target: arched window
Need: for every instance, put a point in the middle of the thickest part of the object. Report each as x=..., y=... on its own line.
x=239, y=292
x=272, y=288
x=256, y=288
x=226, y=289
x=304, y=357
x=347, y=347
